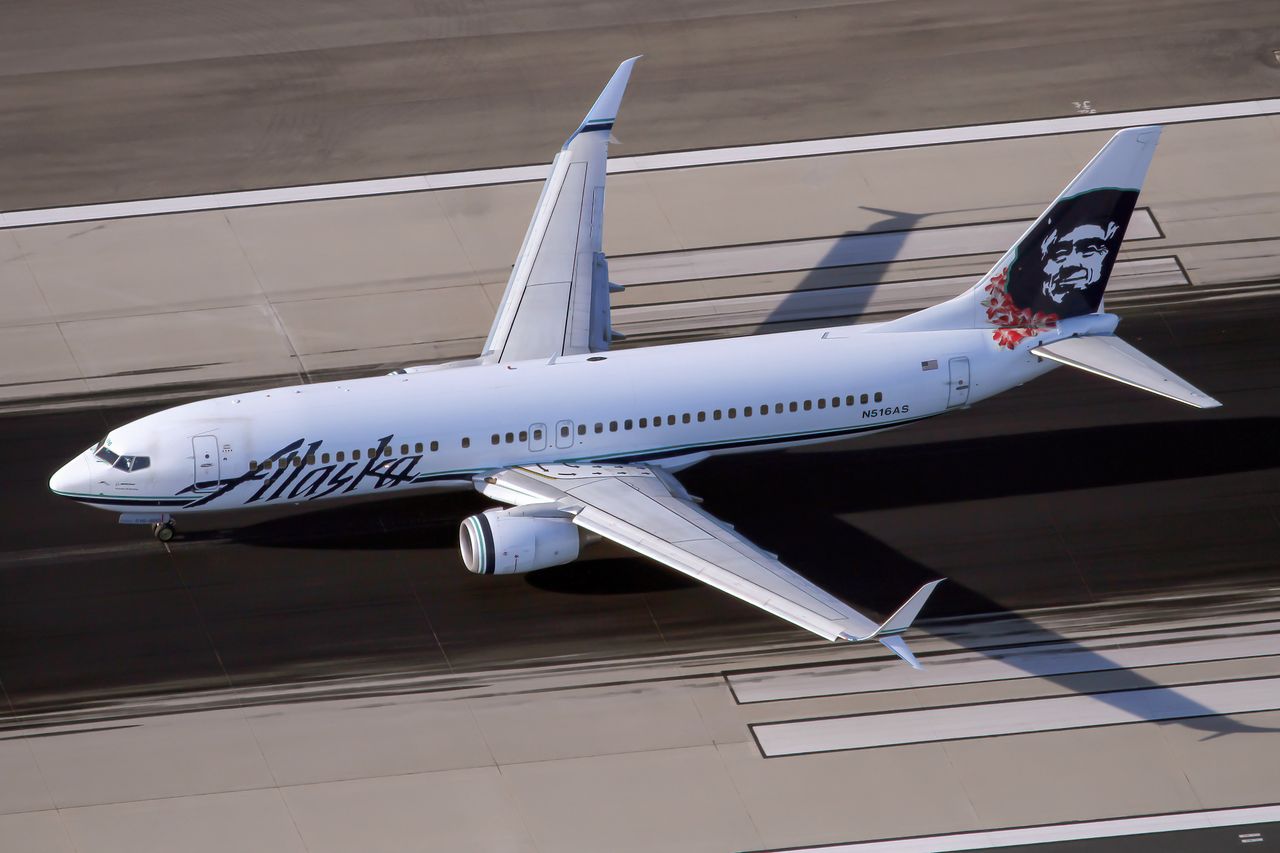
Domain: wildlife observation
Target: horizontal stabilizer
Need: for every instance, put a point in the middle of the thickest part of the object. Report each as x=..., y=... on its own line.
x=1107, y=355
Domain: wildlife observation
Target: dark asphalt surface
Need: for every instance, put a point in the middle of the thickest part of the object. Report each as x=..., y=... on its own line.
x=111, y=101
x=1071, y=489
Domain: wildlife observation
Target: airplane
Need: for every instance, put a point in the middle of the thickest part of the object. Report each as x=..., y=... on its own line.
x=582, y=442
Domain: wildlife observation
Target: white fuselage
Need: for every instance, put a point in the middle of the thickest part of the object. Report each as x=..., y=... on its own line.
x=670, y=405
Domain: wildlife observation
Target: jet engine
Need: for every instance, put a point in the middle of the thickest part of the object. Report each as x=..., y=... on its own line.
x=507, y=542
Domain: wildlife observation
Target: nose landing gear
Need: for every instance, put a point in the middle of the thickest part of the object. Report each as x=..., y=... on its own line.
x=164, y=531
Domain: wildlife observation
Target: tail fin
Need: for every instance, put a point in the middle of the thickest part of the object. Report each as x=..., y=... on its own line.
x=1060, y=266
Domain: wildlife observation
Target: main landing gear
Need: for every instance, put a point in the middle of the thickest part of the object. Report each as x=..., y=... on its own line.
x=164, y=531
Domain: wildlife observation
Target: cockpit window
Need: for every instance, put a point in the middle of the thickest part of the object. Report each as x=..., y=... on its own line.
x=132, y=463
x=121, y=463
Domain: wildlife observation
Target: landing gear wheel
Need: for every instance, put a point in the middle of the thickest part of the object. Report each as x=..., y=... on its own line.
x=164, y=532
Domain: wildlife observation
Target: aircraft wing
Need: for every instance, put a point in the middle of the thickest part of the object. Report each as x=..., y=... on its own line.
x=557, y=299
x=647, y=510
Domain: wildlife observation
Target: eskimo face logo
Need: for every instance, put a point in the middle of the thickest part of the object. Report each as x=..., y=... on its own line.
x=1073, y=261
x=1062, y=265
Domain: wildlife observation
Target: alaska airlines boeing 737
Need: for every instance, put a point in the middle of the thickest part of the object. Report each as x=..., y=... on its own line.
x=582, y=442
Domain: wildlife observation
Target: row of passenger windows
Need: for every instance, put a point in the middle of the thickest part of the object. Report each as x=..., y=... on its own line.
x=613, y=426
x=341, y=456
x=733, y=413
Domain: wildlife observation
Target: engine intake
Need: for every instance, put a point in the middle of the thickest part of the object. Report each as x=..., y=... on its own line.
x=504, y=542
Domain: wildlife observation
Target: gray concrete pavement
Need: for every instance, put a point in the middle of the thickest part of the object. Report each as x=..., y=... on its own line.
x=311, y=290
x=338, y=682
x=645, y=754
x=109, y=102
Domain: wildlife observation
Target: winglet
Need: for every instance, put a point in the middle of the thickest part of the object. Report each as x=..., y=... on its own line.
x=889, y=632
x=605, y=109
x=898, y=646
x=906, y=614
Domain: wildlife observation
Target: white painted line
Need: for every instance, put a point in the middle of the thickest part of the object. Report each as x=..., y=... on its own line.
x=642, y=163
x=988, y=719
x=847, y=250
x=1114, y=828
x=850, y=301
x=1000, y=665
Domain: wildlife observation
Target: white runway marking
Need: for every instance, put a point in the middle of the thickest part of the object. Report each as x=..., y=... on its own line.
x=643, y=163
x=988, y=839
x=1000, y=665
x=987, y=719
x=848, y=250
x=846, y=301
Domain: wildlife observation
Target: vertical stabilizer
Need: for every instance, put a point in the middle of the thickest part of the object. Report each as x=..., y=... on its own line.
x=1060, y=266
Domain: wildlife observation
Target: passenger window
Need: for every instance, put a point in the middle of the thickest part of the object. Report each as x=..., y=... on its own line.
x=284, y=463
x=564, y=432
x=297, y=462
x=342, y=455
x=778, y=409
x=582, y=429
x=524, y=436
x=355, y=454
x=627, y=424
x=835, y=402
x=599, y=427
x=702, y=416
x=613, y=426
x=794, y=406
x=466, y=442
x=671, y=420
x=253, y=466
x=386, y=451
x=404, y=450
x=864, y=399
x=746, y=411
x=716, y=414
x=764, y=410
x=435, y=445
x=686, y=418
x=879, y=396
x=848, y=401
x=644, y=422
x=324, y=458
x=495, y=438
x=511, y=437
x=822, y=402
x=808, y=405
x=311, y=459
x=417, y=447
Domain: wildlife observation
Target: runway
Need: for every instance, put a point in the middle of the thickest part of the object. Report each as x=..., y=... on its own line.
x=1101, y=663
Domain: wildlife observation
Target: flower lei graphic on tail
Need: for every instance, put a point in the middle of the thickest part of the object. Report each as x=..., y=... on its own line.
x=1013, y=324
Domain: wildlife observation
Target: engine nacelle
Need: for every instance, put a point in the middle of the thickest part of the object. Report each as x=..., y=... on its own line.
x=504, y=542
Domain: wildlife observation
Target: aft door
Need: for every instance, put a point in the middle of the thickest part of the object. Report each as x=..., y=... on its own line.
x=208, y=462
x=537, y=436
x=564, y=435
x=958, y=393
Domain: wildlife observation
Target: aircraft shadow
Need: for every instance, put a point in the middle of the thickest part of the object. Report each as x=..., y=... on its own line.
x=816, y=538
x=836, y=269
x=813, y=540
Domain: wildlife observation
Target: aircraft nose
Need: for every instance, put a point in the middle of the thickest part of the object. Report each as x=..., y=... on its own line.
x=70, y=478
